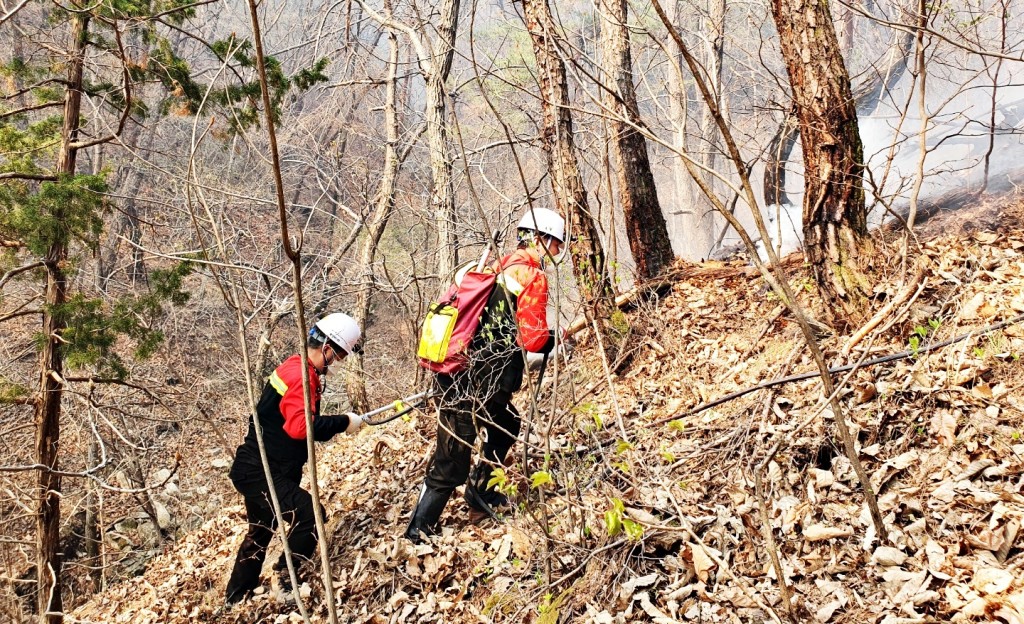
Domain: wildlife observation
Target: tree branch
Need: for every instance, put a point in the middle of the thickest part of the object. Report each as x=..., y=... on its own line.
x=127, y=100
x=26, y=109
x=11, y=13
x=17, y=175
x=22, y=269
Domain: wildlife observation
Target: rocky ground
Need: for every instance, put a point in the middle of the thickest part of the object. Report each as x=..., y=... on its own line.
x=631, y=508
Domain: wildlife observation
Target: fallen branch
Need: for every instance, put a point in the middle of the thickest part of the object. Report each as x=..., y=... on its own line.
x=841, y=369
x=897, y=301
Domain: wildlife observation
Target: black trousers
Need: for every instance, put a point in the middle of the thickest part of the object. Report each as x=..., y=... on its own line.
x=463, y=416
x=297, y=509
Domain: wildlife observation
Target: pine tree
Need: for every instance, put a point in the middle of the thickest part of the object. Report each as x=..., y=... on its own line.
x=53, y=213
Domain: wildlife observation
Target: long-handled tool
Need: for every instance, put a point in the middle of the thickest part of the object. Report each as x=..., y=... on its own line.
x=401, y=407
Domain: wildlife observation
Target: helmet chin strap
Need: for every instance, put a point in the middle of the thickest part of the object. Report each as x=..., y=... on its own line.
x=557, y=260
x=326, y=367
x=545, y=253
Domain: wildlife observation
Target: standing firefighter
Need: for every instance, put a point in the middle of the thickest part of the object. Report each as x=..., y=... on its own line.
x=281, y=413
x=478, y=398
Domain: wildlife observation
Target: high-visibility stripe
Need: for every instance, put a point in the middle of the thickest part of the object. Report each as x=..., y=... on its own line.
x=278, y=383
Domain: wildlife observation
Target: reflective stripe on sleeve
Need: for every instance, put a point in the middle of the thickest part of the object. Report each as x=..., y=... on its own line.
x=278, y=383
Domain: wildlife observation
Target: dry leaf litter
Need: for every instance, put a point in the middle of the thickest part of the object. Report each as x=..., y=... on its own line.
x=647, y=518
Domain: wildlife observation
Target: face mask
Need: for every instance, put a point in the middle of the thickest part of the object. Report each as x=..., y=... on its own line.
x=546, y=256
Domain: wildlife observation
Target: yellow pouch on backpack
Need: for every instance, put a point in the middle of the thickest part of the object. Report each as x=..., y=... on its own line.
x=437, y=332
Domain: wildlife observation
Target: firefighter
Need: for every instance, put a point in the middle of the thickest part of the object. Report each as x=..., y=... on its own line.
x=477, y=400
x=281, y=413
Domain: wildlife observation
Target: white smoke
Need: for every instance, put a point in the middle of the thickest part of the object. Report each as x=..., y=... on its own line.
x=785, y=230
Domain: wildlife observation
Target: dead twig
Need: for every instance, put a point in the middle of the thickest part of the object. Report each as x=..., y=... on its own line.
x=908, y=290
x=840, y=369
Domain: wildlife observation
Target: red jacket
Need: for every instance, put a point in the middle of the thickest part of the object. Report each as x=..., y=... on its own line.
x=524, y=278
x=286, y=380
x=282, y=413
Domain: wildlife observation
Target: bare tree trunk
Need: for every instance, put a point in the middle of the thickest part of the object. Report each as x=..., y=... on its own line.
x=835, y=218
x=51, y=362
x=442, y=198
x=713, y=28
x=687, y=205
x=385, y=205
x=699, y=224
x=127, y=225
x=779, y=150
x=92, y=530
x=994, y=102
x=294, y=255
x=645, y=223
x=436, y=69
x=566, y=181
x=921, y=66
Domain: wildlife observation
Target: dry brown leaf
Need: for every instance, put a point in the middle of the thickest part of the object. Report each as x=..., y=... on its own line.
x=888, y=556
x=987, y=539
x=864, y=392
x=975, y=468
x=982, y=391
x=821, y=532
x=943, y=427
x=702, y=563
x=991, y=580
x=656, y=615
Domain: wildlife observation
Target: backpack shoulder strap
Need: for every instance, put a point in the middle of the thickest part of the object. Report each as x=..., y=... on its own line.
x=510, y=283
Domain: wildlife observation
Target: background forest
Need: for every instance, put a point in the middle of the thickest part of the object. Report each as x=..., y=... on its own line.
x=186, y=186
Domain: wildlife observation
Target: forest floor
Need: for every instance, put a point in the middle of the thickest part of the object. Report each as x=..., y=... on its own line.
x=650, y=515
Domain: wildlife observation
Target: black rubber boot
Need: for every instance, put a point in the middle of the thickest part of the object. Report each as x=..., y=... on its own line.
x=236, y=595
x=425, y=517
x=479, y=497
x=245, y=577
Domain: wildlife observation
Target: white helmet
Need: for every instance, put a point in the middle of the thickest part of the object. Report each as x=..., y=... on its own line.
x=544, y=221
x=341, y=329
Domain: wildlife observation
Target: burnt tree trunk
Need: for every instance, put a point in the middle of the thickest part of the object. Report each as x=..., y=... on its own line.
x=645, y=223
x=836, y=238
x=866, y=96
x=566, y=182
x=779, y=150
x=51, y=361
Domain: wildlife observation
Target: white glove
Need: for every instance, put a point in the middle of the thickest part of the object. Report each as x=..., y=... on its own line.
x=355, y=423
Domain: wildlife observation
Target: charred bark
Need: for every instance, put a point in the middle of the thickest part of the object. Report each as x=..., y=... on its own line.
x=836, y=239
x=645, y=224
x=566, y=182
x=779, y=150
x=867, y=94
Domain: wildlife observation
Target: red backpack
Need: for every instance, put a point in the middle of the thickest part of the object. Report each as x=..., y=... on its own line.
x=452, y=321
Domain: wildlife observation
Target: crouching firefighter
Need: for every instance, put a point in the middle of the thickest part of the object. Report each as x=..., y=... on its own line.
x=281, y=413
x=477, y=399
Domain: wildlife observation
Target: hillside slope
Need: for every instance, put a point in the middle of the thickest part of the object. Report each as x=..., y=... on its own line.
x=655, y=517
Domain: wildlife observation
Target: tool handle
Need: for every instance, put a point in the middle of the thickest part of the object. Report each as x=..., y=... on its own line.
x=386, y=419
